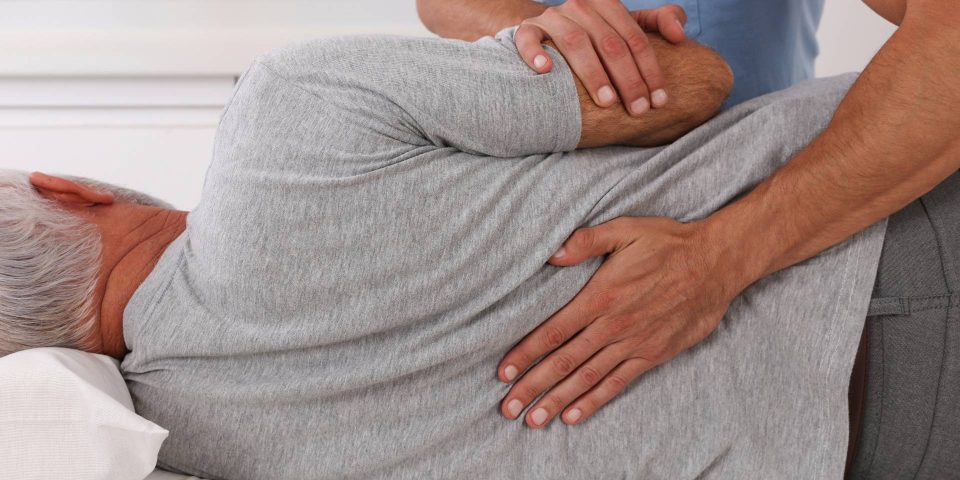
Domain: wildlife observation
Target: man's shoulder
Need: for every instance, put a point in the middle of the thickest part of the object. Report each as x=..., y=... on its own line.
x=362, y=53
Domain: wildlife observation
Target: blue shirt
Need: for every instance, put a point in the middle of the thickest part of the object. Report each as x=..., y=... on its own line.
x=769, y=44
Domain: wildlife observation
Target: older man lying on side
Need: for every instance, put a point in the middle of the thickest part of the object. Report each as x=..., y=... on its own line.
x=372, y=238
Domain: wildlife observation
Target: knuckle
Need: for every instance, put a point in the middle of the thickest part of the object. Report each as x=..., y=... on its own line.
x=584, y=238
x=677, y=10
x=591, y=340
x=526, y=30
x=590, y=404
x=553, y=337
x=659, y=354
x=554, y=403
x=522, y=357
x=615, y=384
x=604, y=299
x=619, y=325
x=637, y=42
x=576, y=38
x=653, y=76
x=549, y=14
x=622, y=349
x=638, y=85
x=642, y=51
x=650, y=355
x=612, y=46
x=621, y=222
x=589, y=375
x=563, y=364
x=527, y=393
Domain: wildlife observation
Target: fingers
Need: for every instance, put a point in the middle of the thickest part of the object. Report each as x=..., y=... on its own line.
x=529, y=39
x=548, y=373
x=643, y=61
x=590, y=242
x=569, y=387
x=547, y=337
x=668, y=20
x=608, y=388
x=616, y=37
x=578, y=50
x=606, y=47
x=670, y=23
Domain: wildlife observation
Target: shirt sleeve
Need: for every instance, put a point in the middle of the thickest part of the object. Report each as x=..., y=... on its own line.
x=479, y=97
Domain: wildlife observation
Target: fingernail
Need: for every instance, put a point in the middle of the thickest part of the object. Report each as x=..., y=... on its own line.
x=539, y=416
x=510, y=372
x=659, y=98
x=640, y=106
x=574, y=415
x=562, y=252
x=514, y=408
x=539, y=61
x=606, y=95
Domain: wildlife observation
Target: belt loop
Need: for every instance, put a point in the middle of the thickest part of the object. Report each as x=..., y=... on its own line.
x=888, y=306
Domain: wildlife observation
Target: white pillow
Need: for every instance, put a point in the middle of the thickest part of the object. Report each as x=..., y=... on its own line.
x=67, y=414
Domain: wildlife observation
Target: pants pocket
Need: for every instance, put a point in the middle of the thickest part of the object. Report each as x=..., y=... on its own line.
x=911, y=412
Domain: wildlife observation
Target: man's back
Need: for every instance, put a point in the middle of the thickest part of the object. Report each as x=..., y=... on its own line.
x=345, y=289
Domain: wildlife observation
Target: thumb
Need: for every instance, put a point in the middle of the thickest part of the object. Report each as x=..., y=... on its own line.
x=668, y=20
x=590, y=242
x=529, y=39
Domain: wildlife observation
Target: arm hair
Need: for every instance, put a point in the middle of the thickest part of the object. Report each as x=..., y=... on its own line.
x=698, y=81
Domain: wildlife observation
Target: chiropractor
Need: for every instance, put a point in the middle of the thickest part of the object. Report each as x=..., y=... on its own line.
x=665, y=285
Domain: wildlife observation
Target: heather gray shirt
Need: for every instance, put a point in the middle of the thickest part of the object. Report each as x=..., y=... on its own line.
x=372, y=239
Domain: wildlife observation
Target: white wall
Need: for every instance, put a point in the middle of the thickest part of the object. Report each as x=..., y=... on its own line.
x=850, y=34
x=129, y=91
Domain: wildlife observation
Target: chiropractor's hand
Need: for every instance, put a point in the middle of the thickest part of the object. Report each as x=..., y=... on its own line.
x=606, y=47
x=663, y=288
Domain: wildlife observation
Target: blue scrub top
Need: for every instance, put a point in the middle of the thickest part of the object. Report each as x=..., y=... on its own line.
x=770, y=44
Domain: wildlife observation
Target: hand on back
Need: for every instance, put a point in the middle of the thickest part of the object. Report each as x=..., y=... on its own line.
x=607, y=48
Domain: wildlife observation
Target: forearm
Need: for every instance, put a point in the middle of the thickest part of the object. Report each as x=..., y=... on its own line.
x=892, y=139
x=699, y=80
x=472, y=19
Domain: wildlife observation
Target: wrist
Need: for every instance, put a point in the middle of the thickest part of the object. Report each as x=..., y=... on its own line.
x=740, y=251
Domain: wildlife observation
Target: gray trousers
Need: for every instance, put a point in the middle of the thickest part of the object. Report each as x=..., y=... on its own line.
x=909, y=422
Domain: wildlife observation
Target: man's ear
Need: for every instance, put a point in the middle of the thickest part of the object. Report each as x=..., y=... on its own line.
x=69, y=192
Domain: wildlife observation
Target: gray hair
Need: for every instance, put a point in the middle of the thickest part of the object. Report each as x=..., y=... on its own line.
x=49, y=266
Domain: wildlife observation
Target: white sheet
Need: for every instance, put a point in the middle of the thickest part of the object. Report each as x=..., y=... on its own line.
x=68, y=414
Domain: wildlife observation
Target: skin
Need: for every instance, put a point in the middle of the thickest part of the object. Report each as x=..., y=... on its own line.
x=701, y=80
x=665, y=286
x=133, y=239
x=604, y=44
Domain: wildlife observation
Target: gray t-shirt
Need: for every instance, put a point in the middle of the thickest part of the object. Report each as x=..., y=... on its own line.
x=372, y=239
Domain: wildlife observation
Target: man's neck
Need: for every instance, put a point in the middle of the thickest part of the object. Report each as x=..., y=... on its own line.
x=131, y=251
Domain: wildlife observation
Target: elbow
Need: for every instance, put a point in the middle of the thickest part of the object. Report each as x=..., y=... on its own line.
x=712, y=85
